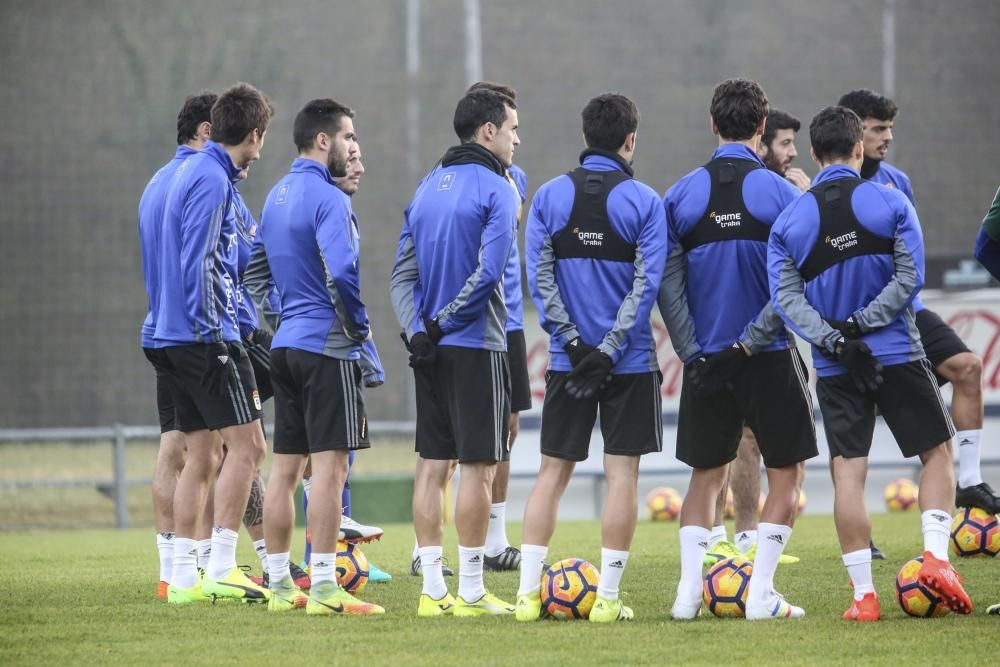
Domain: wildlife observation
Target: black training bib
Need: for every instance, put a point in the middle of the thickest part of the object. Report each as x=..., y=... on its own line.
x=588, y=233
x=727, y=217
x=841, y=235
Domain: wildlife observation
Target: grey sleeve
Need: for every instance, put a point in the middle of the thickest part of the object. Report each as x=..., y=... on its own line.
x=895, y=295
x=405, y=277
x=672, y=301
x=764, y=329
x=258, y=281
x=804, y=319
x=555, y=319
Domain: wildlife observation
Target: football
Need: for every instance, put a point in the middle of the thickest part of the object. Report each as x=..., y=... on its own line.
x=352, y=567
x=569, y=589
x=726, y=586
x=730, y=508
x=802, y=501
x=901, y=495
x=664, y=504
x=975, y=532
x=913, y=597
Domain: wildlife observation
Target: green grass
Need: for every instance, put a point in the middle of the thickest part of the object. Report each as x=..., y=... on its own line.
x=88, y=596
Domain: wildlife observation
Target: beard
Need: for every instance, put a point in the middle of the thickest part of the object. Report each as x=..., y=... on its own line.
x=337, y=166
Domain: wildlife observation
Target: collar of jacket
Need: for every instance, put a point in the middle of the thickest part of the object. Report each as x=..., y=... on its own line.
x=473, y=153
x=737, y=151
x=222, y=157
x=834, y=172
x=870, y=167
x=184, y=151
x=609, y=155
x=307, y=165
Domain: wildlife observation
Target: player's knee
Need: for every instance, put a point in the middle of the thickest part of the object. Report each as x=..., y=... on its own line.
x=965, y=372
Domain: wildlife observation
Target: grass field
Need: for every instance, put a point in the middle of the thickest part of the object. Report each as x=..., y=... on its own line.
x=72, y=597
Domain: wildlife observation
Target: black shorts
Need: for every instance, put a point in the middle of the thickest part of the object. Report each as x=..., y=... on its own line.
x=196, y=408
x=319, y=403
x=463, y=406
x=939, y=340
x=520, y=382
x=258, y=347
x=164, y=394
x=771, y=396
x=908, y=399
x=631, y=417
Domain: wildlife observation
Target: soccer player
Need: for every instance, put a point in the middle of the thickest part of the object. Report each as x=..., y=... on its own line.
x=194, y=128
x=777, y=151
x=952, y=360
x=595, y=245
x=740, y=365
x=447, y=293
x=853, y=249
x=777, y=147
x=215, y=390
x=988, y=241
x=500, y=555
x=373, y=375
x=310, y=250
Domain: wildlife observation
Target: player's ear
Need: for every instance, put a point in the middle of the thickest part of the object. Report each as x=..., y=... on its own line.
x=815, y=159
x=859, y=151
x=711, y=126
x=629, y=145
x=204, y=131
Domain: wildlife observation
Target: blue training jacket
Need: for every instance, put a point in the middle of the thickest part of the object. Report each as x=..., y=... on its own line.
x=151, y=207
x=876, y=289
x=455, y=244
x=198, y=254
x=895, y=178
x=716, y=294
x=604, y=302
x=309, y=247
x=513, y=296
x=246, y=228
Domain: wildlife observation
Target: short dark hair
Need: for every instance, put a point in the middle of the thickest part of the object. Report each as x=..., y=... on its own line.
x=738, y=107
x=778, y=120
x=501, y=88
x=239, y=111
x=197, y=109
x=834, y=132
x=318, y=116
x=607, y=120
x=869, y=104
x=477, y=108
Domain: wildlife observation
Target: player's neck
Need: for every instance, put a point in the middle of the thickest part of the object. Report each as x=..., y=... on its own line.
x=753, y=143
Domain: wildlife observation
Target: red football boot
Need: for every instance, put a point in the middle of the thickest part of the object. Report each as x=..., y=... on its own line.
x=939, y=576
x=866, y=609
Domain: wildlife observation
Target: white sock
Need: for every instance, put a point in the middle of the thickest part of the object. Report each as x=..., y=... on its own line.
x=261, y=550
x=859, y=567
x=773, y=538
x=165, y=545
x=204, y=552
x=496, y=532
x=936, y=527
x=969, y=472
x=470, y=572
x=185, y=574
x=416, y=550
x=532, y=556
x=612, y=568
x=694, y=544
x=223, y=557
x=307, y=485
x=430, y=565
x=745, y=540
x=323, y=568
x=717, y=535
x=277, y=568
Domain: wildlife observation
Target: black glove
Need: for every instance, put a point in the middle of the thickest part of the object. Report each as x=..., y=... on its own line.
x=218, y=370
x=593, y=373
x=723, y=367
x=861, y=365
x=577, y=350
x=849, y=328
x=703, y=384
x=434, y=331
x=262, y=338
x=423, y=352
